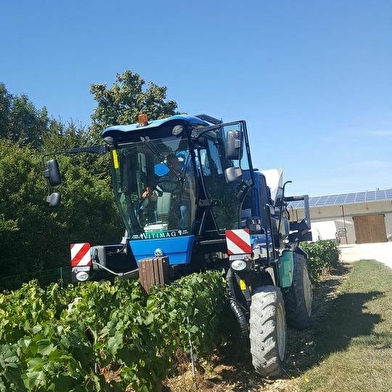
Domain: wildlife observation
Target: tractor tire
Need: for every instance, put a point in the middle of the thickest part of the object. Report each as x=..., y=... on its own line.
x=299, y=296
x=267, y=333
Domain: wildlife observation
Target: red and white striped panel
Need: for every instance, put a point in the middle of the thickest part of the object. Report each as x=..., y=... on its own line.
x=238, y=242
x=80, y=255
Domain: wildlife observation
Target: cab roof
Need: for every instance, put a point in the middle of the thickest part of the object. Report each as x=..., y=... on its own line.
x=192, y=120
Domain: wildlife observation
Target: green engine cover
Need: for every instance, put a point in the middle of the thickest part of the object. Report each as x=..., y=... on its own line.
x=286, y=269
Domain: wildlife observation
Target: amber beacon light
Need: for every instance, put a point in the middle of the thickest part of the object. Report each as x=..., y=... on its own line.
x=142, y=120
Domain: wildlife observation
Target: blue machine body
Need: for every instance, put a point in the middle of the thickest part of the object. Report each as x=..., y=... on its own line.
x=179, y=249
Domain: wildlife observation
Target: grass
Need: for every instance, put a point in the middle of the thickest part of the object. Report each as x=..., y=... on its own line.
x=350, y=348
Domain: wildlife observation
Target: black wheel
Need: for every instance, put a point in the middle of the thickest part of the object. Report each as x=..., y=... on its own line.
x=267, y=331
x=299, y=297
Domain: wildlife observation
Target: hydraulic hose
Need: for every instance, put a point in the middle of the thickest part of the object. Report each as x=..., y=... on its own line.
x=235, y=306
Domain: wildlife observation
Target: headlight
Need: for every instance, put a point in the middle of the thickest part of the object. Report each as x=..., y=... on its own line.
x=82, y=276
x=238, y=265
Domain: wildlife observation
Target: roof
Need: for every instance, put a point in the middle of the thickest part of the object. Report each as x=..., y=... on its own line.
x=155, y=124
x=345, y=198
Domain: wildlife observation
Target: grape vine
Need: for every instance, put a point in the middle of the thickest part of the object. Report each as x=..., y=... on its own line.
x=105, y=336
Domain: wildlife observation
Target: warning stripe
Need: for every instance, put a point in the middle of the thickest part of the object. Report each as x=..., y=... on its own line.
x=80, y=255
x=238, y=242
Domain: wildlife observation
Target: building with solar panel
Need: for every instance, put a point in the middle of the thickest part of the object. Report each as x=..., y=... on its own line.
x=352, y=218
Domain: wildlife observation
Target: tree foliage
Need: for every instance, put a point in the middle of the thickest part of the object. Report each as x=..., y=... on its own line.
x=22, y=218
x=33, y=236
x=87, y=211
x=61, y=137
x=127, y=98
x=5, y=109
x=20, y=121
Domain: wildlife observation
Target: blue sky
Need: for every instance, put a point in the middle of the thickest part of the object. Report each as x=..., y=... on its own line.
x=312, y=78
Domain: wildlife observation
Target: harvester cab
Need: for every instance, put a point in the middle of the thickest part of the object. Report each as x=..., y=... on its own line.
x=180, y=184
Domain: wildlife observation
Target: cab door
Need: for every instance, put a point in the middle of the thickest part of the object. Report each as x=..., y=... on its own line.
x=227, y=173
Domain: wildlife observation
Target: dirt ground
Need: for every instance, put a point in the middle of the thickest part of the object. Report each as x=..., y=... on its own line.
x=230, y=369
x=381, y=252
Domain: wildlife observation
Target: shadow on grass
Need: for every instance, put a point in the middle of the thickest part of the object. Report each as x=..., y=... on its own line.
x=337, y=320
x=345, y=321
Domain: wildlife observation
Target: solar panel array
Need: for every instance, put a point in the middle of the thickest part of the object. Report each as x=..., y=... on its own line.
x=345, y=198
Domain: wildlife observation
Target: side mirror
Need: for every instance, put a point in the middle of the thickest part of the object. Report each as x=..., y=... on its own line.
x=53, y=199
x=52, y=172
x=233, y=145
x=233, y=174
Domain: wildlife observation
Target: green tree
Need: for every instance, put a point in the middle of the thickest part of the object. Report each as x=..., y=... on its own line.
x=87, y=212
x=61, y=137
x=127, y=98
x=35, y=237
x=23, y=224
x=26, y=125
x=5, y=108
x=20, y=121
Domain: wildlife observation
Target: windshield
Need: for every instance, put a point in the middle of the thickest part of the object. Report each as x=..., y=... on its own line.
x=154, y=185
